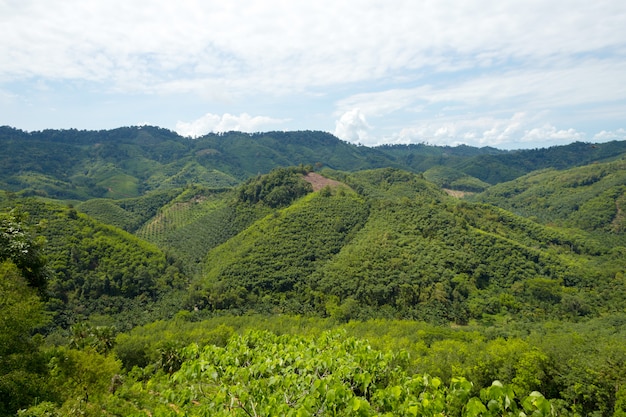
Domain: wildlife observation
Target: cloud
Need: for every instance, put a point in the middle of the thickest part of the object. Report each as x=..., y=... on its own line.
x=604, y=136
x=478, y=110
x=588, y=82
x=550, y=135
x=352, y=126
x=508, y=133
x=276, y=45
x=225, y=123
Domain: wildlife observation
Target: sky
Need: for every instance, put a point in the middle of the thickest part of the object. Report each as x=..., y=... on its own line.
x=509, y=74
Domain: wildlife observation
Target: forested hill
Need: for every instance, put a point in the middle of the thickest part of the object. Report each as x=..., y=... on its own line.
x=591, y=197
x=388, y=243
x=131, y=161
x=374, y=243
x=494, y=166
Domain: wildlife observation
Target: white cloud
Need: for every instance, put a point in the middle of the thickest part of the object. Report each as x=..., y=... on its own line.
x=275, y=44
x=225, y=123
x=548, y=134
x=520, y=128
x=352, y=126
x=591, y=81
x=604, y=136
x=383, y=102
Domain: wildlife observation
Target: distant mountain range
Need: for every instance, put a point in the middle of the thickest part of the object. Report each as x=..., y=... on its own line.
x=132, y=161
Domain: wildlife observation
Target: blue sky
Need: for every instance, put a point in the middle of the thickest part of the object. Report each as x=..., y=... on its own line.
x=507, y=73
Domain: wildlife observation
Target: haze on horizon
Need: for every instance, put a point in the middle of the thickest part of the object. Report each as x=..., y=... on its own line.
x=512, y=74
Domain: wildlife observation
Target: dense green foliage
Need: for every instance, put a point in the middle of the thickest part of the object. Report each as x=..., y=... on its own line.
x=22, y=367
x=270, y=365
x=494, y=169
x=422, y=157
x=196, y=221
x=18, y=245
x=131, y=161
x=400, y=247
x=579, y=363
x=260, y=373
x=277, y=189
x=494, y=166
x=450, y=178
x=130, y=213
x=93, y=267
x=266, y=264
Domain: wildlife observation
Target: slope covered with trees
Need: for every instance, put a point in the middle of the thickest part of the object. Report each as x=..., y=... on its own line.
x=592, y=197
x=390, y=244
x=94, y=268
x=131, y=161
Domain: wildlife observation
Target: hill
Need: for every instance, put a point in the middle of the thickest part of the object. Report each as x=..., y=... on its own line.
x=493, y=166
x=534, y=303
x=96, y=269
x=592, y=197
x=131, y=161
x=374, y=243
x=497, y=168
x=390, y=244
x=380, y=242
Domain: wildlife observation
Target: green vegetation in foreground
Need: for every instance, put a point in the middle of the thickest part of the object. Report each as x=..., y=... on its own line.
x=260, y=373
x=577, y=365
x=289, y=365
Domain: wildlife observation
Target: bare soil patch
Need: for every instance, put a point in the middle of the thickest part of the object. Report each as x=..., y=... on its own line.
x=318, y=182
x=457, y=193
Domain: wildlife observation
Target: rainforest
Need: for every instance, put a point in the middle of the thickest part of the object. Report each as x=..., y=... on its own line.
x=293, y=274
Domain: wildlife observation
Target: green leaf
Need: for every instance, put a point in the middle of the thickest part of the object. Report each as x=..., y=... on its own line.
x=474, y=408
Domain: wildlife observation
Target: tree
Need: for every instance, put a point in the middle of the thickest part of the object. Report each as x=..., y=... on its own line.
x=22, y=273
x=22, y=368
x=19, y=245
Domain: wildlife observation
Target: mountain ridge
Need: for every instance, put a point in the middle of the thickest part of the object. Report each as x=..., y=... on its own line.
x=132, y=161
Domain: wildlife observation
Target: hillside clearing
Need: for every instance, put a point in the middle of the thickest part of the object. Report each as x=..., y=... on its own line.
x=318, y=181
